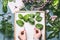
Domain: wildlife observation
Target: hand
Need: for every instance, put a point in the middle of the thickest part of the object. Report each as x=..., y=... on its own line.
x=37, y=34
x=22, y=35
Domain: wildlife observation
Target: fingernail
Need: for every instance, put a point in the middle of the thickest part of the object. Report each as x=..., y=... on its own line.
x=22, y=32
x=36, y=31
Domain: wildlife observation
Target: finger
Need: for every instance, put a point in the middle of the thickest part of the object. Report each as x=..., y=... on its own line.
x=19, y=37
x=22, y=33
x=37, y=30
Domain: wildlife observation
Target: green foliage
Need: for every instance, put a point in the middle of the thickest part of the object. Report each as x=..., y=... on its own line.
x=3, y=26
x=55, y=2
x=9, y=30
x=6, y=29
x=53, y=6
x=4, y=5
x=52, y=35
x=55, y=27
x=30, y=5
x=5, y=2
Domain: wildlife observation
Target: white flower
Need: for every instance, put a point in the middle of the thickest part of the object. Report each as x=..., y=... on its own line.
x=47, y=11
x=5, y=18
x=53, y=17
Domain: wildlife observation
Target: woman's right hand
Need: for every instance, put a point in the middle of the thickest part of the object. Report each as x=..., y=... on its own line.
x=37, y=34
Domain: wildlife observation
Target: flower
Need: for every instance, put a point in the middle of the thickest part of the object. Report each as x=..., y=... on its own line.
x=53, y=17
x=47, y=11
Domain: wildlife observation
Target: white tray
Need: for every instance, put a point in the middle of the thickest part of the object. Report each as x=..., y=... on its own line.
x=29, y=28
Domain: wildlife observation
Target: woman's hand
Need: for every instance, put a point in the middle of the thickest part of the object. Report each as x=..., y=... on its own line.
x=22, y=35
x=37, y=34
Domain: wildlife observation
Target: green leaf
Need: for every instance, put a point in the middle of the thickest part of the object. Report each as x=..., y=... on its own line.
x=37, y=13
x=49, y=28
x=32, y=15
x=39, y=26
x=26, y=17
x=52, y=35
x=38, y=18
x=5, y=2
x=56, y=29
x=20, y=16
x=28, y=6
x=31, y=21
x=4, y=9
x=9, y=26
x=55, y=2
x=20, y=23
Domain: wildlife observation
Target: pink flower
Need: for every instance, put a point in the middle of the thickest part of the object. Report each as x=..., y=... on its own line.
x=53, y=17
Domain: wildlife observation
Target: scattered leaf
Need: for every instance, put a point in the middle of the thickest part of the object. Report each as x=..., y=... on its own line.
x=20, y=23
x=39, y=26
